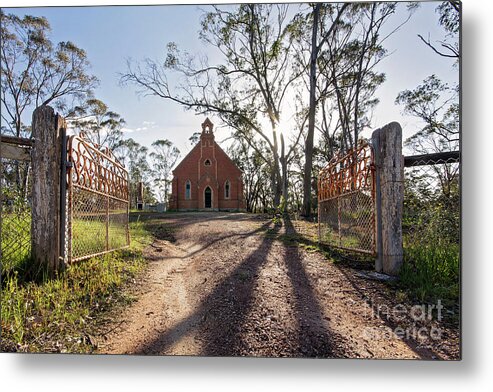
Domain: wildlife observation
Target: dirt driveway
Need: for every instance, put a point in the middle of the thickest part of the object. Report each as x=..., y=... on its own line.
x=236, y=285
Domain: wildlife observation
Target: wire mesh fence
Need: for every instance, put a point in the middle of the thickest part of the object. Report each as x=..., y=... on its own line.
x=346, y=201
x=89, y=212
x=431, y=218
x=15, y=215
x=97, y=202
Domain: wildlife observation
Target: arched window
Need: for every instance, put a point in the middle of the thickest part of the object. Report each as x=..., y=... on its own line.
x=188, y=190
x=207, y=162
x=227, y=189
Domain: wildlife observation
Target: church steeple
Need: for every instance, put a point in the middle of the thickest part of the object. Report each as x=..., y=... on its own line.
x=207, y=127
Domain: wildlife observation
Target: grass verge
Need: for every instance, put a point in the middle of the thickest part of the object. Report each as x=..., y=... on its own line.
x=431, y=271
x=58, y=314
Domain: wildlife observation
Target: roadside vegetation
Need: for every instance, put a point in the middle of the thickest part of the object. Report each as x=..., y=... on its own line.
x=431, y=271
x=43, y=314
x=431, y=238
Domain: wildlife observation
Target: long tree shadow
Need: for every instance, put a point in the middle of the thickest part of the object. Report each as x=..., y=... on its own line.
x=221, y=318
x=220, y=315
x=364, y=296
x=219, y=321
x=231, y=302
x=315, y=339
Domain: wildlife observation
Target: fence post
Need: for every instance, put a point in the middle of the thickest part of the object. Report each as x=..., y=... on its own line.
x=46, y=161
x=378, y=204
x=387, y=142
x=1, y=199
x=107, y=223
x=63, y=196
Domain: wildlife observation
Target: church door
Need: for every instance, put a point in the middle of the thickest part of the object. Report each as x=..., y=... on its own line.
x=208, y=197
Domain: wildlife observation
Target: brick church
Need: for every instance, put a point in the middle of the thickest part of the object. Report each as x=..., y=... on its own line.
x=207, y=179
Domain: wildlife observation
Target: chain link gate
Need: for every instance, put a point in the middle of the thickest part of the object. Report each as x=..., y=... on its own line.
x=346, y=201
x=15, y=201
x=96, y=206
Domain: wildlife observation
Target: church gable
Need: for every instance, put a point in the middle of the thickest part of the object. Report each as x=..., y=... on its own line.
x=193, y=155
x=227, y=159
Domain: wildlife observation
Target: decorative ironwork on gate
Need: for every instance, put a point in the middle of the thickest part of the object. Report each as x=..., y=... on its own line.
x=97, y=203
x=346, y=201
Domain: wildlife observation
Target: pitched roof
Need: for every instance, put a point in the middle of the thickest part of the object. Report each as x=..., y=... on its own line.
x=198, y=146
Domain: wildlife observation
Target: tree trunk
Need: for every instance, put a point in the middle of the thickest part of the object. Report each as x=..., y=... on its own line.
x=276, y=173
x=307, y=178
x=285, y=175
x=276, y=179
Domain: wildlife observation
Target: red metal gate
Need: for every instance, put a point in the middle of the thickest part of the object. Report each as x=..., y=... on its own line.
x=346, y=201
x=97, y=201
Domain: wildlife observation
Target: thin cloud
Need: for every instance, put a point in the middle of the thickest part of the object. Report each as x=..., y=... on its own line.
x=146, y=125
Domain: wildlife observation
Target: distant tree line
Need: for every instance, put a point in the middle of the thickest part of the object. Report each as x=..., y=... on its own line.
x=35, y=71
x=295, y=84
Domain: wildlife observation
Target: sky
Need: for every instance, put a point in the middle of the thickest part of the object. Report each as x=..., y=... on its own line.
x=112, y=34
